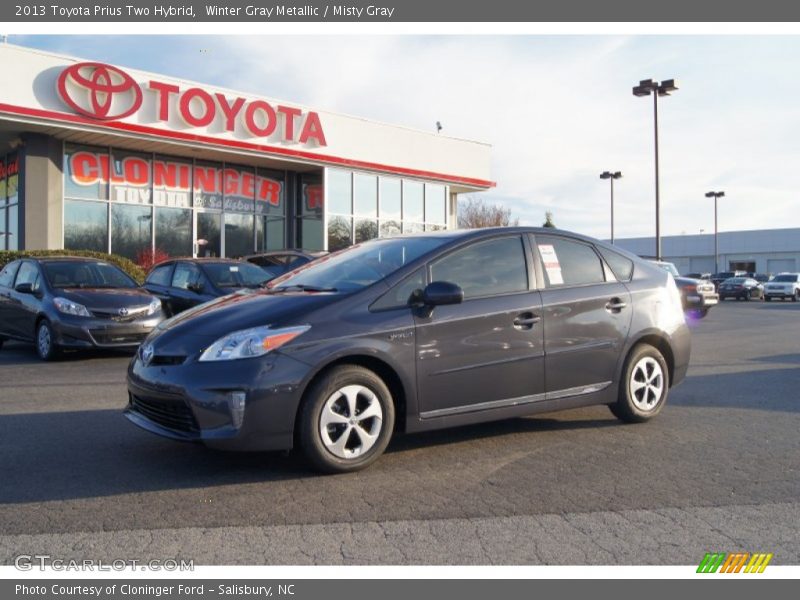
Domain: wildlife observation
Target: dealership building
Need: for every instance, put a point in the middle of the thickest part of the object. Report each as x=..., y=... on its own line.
x=101, y=157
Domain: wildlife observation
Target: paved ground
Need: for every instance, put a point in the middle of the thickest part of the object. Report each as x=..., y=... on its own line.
x=718, y=470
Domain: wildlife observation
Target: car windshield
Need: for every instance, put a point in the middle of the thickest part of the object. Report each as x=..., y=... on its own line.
x=235, y=275
x=735, y=280
x=86, y=274
x=358, y=266
x=785, y=278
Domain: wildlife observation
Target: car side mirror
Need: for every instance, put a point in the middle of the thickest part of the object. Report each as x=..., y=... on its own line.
x=441, y=293
x=197, y=288
x=24, y=288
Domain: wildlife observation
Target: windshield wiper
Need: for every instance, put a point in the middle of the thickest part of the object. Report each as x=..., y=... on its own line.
x=304, y=288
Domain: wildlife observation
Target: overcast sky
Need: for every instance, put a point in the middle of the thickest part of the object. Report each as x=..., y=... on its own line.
x=558, y=110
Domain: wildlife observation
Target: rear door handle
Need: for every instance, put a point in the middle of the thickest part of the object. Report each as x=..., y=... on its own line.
x=526, y=321
x=615, y=305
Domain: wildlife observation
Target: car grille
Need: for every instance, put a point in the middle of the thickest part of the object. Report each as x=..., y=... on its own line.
x=104, y=337
x=114, y=315
x=172, y=414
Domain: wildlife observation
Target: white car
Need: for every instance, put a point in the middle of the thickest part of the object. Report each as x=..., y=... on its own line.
x=784, y=285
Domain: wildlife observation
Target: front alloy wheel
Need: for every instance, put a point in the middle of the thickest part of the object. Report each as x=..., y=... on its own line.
x=346, y=420
x=45, y=343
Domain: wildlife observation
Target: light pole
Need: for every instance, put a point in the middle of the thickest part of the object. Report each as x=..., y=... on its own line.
x=647, y=87
x=611, y=176
x=716, y=196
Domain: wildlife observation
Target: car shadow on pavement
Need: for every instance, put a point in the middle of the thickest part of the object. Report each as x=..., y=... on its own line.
x=762, y=389
x=96, y=453
x=17, y=353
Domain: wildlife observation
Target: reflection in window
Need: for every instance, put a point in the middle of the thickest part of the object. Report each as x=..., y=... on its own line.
x=85, y=172
x=413, y=201
x=174, y=231
x=85, y=225
x=270, y=233
x=131, y=231
x=485, y=268
x=434, y=203
x=130, y=177
x=270, y=192
x=365, y=230
x=12, y=232
x=239, y=186
x=339, y=192
x=339, y=233
x=172, y=182
x=238, y=235
x=208, y=234
x=413, y=227
x=365, y=197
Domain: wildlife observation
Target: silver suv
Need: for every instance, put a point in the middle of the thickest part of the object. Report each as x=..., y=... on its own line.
x=783, y=285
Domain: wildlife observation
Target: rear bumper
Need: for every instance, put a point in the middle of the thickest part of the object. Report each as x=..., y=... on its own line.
x=699, y=301
x=79, y=332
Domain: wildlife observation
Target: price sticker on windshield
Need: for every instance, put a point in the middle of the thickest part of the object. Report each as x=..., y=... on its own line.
x=551, y=264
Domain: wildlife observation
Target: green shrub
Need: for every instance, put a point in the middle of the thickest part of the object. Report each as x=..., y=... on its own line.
x=131, y=268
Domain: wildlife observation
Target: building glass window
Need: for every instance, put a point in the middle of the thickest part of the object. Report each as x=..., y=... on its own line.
x=365, y=195
x=271, y=210
x=238, y=235
x=340, y=192
x=239, y=187
x=12, y=227
x=131, y=178
x=339, y=232
x=435, y=204
x=365, y=230
x=207, y=185
x=131, y=231
x=413, y=201
x=85, y=225
x=174, y=231
x=86, y=172
x=310, y=230
x=209, y=241
x=391, y=206
x=172, y=182
x=10, y=220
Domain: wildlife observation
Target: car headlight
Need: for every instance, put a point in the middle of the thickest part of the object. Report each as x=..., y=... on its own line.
x=153, y=307
x=68, y=307
x=249, y=343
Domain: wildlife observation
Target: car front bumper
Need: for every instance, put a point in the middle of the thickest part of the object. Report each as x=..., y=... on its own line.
x=84, y=332
x=194, y=401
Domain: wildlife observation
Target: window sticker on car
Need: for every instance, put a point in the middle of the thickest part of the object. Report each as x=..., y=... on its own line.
x=234, y=269
x=551, y=264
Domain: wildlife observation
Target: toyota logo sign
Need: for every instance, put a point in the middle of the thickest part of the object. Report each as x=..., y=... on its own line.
x=99, y=91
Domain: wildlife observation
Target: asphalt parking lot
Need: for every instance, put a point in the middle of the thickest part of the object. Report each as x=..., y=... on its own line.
x=719, y=470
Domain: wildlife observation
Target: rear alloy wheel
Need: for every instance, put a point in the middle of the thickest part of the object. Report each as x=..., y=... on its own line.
x=347, y=420
x=46, y=346
x=747, y=295
x=767, y=298
x=644, y=385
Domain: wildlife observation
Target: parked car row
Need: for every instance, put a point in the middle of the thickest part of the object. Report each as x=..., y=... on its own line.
x=69, y=303
x=697, y=295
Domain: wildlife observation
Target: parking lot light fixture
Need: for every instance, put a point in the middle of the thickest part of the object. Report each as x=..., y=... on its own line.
x=649, y=87
x=611, y=176
x=716, y=196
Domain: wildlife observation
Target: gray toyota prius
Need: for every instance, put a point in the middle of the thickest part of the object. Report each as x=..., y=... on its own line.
x=415, y=333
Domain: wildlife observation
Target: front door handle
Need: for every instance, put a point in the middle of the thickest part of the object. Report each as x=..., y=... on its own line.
x=615, y=305
x=526, y=321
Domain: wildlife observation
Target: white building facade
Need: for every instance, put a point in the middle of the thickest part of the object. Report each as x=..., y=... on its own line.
x=100, y=157
x=760, y=251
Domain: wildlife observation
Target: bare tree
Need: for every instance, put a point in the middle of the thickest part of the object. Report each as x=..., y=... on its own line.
x=548, y=220
x=474, y=213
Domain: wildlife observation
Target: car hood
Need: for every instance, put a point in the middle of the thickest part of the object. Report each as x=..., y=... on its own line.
x=194, y=329
x=106, y=298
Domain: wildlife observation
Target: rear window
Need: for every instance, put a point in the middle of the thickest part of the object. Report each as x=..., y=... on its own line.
x=235, y=275
x=160, y=275
x=620, y=265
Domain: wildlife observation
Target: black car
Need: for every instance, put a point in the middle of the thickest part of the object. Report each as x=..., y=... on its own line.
x=184, y=283
x=697, y=296
x=718, y=278
x=279, y=262
x=741, y=288
x=65, y=302
x=415, y=333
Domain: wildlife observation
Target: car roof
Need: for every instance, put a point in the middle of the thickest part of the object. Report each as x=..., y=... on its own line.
x=200, y=260
x=46, y=259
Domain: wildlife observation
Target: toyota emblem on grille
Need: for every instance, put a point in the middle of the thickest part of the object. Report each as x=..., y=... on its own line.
x=123, y=312
x=147, y=354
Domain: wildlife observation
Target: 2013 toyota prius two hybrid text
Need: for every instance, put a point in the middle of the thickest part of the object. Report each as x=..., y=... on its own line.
x=415, y=333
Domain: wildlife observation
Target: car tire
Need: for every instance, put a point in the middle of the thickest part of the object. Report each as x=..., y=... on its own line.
x=767, y=298
x=700, y=313
x=2, y=341
x=46, y=347
x=796, y=296
x=643, y=387
x=747, y=296
x=333, y=435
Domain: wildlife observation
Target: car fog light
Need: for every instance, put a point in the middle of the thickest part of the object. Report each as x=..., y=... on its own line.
x=236, y=402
